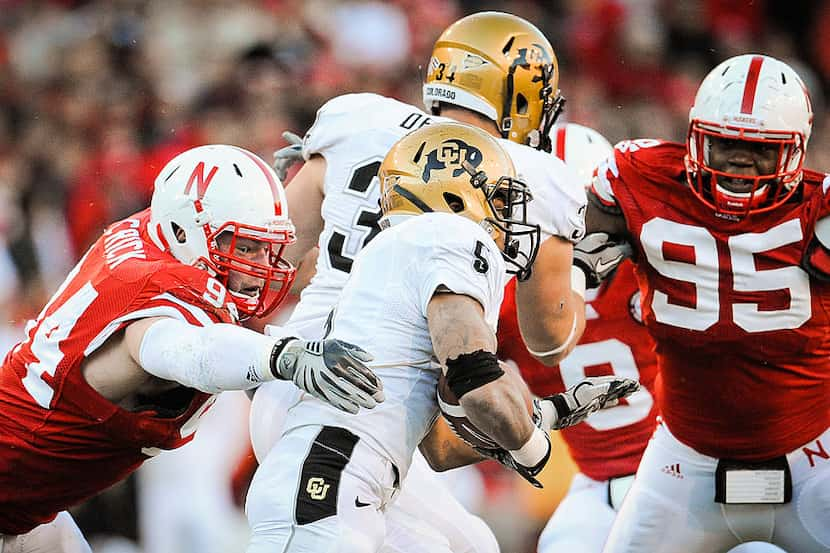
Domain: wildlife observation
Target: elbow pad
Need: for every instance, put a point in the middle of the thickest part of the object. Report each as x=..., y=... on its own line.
x=211, y=358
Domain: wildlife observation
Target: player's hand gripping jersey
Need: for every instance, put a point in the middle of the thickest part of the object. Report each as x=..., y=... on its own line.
x=740, y=327
x=353, y=133
x=60, y=441
x=610, y=442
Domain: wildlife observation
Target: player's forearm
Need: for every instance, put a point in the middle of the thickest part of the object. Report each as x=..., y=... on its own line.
x=499, y=410
x=443, y=450
x=212, y=358
x=550, y=304
x=551, y=332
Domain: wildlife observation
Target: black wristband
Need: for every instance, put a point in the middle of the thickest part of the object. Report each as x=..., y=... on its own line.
x=275, y=354
x=561, y=406
x=472, y=370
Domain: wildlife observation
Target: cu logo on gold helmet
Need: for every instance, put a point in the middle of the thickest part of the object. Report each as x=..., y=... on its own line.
x=317, y=488
x=448, y=155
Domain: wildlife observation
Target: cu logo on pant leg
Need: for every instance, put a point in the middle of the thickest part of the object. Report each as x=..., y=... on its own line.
x=317, y=488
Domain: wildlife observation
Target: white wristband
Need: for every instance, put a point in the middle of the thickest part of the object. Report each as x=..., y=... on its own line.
x=534, y=450
x=578, y=281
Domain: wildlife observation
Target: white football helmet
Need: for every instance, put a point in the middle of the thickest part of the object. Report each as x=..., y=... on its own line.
x=211, y=190
x=752, y=98
x=582, y=148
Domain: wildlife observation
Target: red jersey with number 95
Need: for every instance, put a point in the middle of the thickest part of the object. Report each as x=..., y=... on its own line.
x=60, y=441
x=741, y=329
x=609, y=443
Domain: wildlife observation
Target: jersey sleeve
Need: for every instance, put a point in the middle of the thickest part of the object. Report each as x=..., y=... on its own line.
x=602, y=184
x=336, y=120
x=464, y=259
x=558, y=204
x=816, y=258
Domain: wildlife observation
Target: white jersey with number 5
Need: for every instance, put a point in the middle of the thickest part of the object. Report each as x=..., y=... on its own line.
x=383, y=308
x=353, y=133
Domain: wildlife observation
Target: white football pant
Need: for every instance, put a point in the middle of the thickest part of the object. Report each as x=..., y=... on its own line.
x=582, y=520
x=424, y=517
x=671, y=509
x=61, y=535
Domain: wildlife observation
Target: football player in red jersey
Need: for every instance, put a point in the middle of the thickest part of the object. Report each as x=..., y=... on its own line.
x=129, y=352
x=608, y=446
x=730, y=243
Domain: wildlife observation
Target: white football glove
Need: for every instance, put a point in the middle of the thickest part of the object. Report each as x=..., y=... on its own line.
x=598, y=256
x=575, y=404
x=285, y=157
x=331, y=370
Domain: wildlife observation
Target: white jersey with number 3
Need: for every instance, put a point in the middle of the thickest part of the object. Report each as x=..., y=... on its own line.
x=383, y=308
x=353, y=133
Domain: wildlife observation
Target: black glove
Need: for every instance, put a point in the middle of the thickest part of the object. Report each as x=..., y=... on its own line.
x=331, y=370
x=598, y=256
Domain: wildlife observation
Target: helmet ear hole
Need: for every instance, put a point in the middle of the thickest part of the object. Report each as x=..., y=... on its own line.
x=179, y=233
x=521, y=104
x=455, y=203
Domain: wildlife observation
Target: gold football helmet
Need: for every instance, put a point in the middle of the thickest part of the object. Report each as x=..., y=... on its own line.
x=460, y=169
x=502, y=67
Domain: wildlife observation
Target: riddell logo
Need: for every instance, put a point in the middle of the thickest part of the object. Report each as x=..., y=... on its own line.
x=673, y=470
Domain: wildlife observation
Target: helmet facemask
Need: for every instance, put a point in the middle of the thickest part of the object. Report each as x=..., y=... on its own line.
x=507, y=199
x=274, y=275
x=766, y=191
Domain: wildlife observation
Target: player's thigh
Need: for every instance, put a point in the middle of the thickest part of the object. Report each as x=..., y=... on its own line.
x=61, y=535
x=269, y=409
x=582, y=520
x=424, y=501
x=670, y=507
x=803, y=524
x=312, y=494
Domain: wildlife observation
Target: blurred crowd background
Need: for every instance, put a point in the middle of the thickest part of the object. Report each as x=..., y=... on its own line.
x=95, y=96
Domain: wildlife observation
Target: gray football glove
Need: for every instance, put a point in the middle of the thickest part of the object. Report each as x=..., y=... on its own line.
x=331, y=370
x=285, y=157
x=598, y=256
x=575, y=404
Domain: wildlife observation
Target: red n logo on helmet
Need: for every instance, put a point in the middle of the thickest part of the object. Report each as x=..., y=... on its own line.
x=202, y=183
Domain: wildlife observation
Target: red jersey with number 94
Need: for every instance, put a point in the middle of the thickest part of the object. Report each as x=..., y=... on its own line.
x=60, y=441
x=741, y=329
x=609, y=443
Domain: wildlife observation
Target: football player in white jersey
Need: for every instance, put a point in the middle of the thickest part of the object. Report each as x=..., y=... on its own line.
x=339, y=203
x=424, y=296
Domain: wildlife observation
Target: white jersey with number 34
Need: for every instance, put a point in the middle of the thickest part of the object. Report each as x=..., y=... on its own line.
x=353, y=133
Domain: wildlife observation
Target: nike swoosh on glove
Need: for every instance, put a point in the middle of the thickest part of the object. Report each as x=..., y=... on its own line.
x=575, y=404
x=598, y=256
